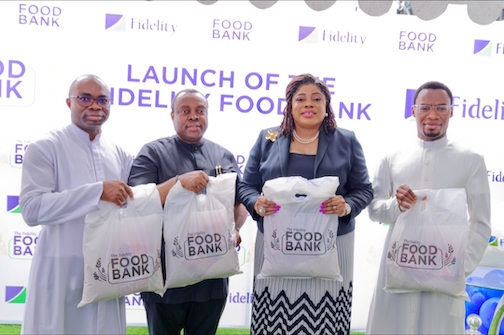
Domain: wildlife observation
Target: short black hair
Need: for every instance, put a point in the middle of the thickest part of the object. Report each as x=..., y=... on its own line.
x=187, y=90
x=433, y=85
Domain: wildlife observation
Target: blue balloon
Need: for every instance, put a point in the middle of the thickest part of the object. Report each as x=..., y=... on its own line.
x=494, y=279
x=492, y=293
x=470, y=290
x=477, y=289
x=470, y=309
x=487, y=311
x=478, y=299
x=475, y=280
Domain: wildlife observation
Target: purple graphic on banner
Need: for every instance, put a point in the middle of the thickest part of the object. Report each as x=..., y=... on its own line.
x=304, y=32
x=410, y=94
x=15, y=294
x=13, y=204
x=111, y=19
x=479, y=45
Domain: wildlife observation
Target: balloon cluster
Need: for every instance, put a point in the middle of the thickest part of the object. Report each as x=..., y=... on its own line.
x=485, y=293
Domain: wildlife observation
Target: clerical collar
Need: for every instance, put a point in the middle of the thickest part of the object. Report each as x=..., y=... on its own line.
x=188, y=146
x=433, y=144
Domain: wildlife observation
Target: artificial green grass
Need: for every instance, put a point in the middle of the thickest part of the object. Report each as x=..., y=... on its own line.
x=16, y=329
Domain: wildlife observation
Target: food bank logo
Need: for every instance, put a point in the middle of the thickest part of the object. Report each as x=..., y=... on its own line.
x=417, y=41
x=301, y=242
x=414, y=254
x=231, y=30
x=482, y=48
x=15, y=294
x=307, y=34
x=126, y=267
x=17, y=153
x=22, y=245
x=202, y=245
x=39, y=15
x=13, y=204
x=17, y=83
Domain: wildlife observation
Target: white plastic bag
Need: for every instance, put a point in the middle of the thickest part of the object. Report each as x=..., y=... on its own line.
x=426, y=248
x=200, y=242
x=299, y=240
x=122, y=247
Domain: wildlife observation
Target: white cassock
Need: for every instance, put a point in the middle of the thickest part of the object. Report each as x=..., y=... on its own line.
x=62, y=181
x=428, y=165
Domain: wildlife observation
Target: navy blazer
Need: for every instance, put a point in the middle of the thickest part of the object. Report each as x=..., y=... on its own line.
x=338, y=154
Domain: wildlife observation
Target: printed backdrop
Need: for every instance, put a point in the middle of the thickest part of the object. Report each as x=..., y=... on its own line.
x=242, y=58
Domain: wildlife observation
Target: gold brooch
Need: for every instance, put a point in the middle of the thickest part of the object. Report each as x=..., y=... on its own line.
x=271, y=135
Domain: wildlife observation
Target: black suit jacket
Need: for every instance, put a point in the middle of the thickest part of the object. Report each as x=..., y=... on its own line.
x=338, y=154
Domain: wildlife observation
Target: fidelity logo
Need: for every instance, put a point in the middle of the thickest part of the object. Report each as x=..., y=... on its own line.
x=241, y=297
x=482, y=48
x=410, y=94
x=119, y=22
x=494, y=241
x=13, y=204
x=486, y=48
x=15, y=294
x=308, y=34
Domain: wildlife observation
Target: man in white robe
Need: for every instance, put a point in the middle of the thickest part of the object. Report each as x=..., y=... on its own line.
x=433, y=162
x=65, y=175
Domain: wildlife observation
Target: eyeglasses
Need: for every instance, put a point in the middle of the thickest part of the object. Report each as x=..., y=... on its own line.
x=86, y=101
x=440, y=109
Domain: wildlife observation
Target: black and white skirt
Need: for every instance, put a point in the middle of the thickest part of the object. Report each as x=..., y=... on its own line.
x=303, y=306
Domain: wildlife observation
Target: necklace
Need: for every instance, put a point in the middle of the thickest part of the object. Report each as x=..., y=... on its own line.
x=305, y=141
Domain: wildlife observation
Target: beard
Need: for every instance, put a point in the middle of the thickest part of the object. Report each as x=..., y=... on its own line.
x=432, y=134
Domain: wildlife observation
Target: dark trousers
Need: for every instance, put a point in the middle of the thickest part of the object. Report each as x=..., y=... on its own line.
x=196, y=318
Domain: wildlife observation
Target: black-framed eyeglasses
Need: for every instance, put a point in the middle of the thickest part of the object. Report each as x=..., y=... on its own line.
x=440, y=109
x=86, y=101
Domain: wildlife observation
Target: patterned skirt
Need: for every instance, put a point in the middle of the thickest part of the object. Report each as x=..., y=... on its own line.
x=304, y=306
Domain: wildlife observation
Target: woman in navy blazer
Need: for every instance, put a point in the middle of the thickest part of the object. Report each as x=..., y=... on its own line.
x=306, y=144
